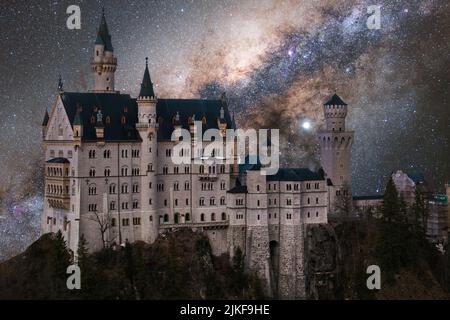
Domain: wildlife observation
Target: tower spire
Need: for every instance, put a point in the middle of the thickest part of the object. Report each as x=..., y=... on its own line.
x=147, y=85
x=103, y=36
x=103, y=64
x=60, y=84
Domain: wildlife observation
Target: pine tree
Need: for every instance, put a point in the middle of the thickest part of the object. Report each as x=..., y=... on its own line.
x=393, y=242
x=419, y=212
x=82, y=252
x=391, y=205
x=59, y=260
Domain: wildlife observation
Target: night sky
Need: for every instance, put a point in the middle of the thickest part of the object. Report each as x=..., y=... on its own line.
x=278, y=62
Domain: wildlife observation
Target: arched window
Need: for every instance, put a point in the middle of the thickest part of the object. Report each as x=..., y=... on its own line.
x=92, y=190
x=213, y=216
x=224, y=216
x=112, y=189
x=202, y=202
x=212, y=201
x=222, y=201
x=202, y=217
x=176, y=217
x=166, y=218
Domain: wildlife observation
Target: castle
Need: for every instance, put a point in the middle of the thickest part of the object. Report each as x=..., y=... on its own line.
x=109, y=177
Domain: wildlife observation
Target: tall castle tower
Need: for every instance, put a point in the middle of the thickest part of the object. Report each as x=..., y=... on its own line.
x=103, y=63
x=335, y=149
x=147, y=128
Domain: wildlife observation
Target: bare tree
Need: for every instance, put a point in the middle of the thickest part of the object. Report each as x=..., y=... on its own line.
x=104, y=224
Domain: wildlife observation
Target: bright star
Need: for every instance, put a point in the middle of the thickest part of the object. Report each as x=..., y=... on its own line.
x=306, y=125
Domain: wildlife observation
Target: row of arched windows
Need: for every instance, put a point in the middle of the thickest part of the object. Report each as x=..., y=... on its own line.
x=176, y=218
x=336, y=139
x=212, y=201
x=57, y=172
x=57, y=190
x=92, y=190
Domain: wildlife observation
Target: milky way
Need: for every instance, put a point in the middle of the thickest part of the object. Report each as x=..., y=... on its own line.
x=278, y=61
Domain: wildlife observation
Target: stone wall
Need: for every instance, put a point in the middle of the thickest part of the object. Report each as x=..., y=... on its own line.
x=291, y=283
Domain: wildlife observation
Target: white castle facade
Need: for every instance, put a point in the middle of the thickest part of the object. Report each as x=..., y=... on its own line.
x=109, y=166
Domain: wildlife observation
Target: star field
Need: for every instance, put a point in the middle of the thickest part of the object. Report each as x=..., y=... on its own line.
x=278, y=61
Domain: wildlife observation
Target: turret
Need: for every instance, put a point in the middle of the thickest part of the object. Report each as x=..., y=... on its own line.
x=103, y=63
x=147, y=128
x=147, y=101
x=335, y=150
x=335, y=111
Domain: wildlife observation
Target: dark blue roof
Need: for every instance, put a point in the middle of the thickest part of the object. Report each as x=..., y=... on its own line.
x=335, y=101
x=58, y=160
x=146, y=85
x=166, y=109
x=252, y=163
x=103, y=36
x=114, y=106
x=238, y=188
x=295, y=174
x=417, y=177
x=46, y=118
